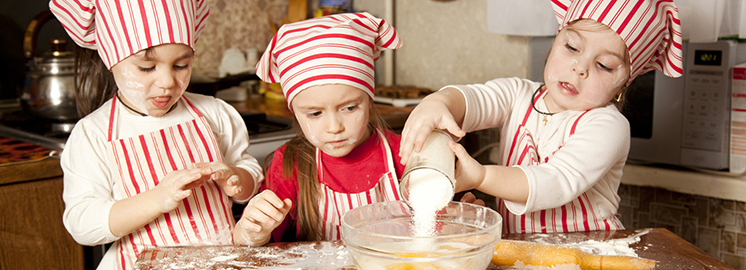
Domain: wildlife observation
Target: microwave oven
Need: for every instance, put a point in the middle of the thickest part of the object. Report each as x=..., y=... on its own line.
x=685, y=121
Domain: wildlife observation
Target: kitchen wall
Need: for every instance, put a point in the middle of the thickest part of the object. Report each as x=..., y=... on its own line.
x=716, y=226
x=241, y=24
x=444, y=42
x=447, y=42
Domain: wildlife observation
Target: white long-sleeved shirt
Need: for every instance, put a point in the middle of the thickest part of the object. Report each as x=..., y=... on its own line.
x=588, y=162
x=89, y=189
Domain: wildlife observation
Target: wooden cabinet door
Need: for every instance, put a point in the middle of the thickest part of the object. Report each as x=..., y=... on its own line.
x=31, y=232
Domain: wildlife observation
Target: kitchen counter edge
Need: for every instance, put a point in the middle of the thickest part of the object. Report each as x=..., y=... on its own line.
x=686, y=181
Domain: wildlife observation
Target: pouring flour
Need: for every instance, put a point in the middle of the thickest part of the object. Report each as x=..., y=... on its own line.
x=428, y=183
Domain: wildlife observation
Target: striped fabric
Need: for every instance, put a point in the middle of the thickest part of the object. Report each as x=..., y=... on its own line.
x=577, y=215
x=334, y=49
x=333, y=205
x=650, y=28
x=140, y=162
x=117, y=29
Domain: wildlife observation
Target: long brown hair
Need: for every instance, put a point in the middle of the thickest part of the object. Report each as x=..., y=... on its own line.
x=94, y=83
x=300, y=157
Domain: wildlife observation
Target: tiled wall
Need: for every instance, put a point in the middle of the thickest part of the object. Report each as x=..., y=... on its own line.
x=241, y=24
x=716, y=226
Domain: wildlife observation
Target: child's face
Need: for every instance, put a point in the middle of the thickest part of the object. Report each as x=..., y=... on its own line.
x=334, y=117
x=153, y=80
x=587, y=66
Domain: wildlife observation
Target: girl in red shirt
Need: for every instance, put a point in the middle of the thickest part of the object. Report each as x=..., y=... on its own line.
x=344, y=157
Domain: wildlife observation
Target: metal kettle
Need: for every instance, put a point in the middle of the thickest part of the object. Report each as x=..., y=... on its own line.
x=49, y=88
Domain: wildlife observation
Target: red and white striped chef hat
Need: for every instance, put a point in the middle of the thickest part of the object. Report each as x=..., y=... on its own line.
x=650, y=28
x=334, y=49
x=118, y=29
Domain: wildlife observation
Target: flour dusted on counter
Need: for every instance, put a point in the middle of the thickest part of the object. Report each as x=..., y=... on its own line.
x=612, y=247
x=522, y=266
x=301, y=255
x=619, y=247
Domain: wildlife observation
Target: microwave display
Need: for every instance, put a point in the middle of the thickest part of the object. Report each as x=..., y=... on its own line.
x=708, y=58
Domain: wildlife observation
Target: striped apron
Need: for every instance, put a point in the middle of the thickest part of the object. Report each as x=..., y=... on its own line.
x=577, y=215
x=333, y=204
x=139, y=162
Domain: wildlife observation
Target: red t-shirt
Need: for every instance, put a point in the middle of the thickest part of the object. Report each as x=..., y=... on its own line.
x=358, y=171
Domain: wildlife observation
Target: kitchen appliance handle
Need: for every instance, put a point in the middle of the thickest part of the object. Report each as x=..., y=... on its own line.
x=29, y=40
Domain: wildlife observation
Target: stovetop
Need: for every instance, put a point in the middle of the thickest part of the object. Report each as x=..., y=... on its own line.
x=53, y=134
x=16, y=123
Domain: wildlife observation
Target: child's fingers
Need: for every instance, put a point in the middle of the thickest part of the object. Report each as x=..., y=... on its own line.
x=459, y=150
x=449, y=124
x=288, y=205
x=180, y=195
x=249, y=224
x=267, y=208
x=221, y=174
x=413, y=141
x=190, y=181
x=263, y=215
x=470, y=198
x=405, y=146
x=270, y=197
x=232, y=180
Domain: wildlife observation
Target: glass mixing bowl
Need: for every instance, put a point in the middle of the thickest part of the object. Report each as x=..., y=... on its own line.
x=380, y=236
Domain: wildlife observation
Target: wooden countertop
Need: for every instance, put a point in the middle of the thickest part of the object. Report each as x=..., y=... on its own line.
x=394, y=116
x=669, y=250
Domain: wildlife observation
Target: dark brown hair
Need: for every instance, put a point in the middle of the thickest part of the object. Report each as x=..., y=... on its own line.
x=94, y=83
x=300, y=157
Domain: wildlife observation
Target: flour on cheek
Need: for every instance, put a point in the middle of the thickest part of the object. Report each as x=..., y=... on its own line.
x=311, y=134
x=133, y=90
x=136, y=96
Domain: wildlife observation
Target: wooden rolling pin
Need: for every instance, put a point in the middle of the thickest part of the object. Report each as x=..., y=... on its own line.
x=509, y=252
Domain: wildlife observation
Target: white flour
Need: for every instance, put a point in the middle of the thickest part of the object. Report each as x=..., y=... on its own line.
x=300, y=255
x=613, y=247
x=429, y=192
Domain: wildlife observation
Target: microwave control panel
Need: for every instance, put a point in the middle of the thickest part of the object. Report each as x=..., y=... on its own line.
x=705, y=105
x=706, y=110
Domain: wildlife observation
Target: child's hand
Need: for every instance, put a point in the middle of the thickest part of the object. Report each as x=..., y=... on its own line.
x=178, y=185
x=260, y=217
x=224, y=175
x=470, y=198
x=469, y=173
x=428, y=115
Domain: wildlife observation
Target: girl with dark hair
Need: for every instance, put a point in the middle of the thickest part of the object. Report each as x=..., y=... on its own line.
x=149, y=165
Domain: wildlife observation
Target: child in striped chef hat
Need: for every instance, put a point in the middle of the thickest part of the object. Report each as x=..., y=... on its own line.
x=563, y=142
x=343, y=157
x=149, y=165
